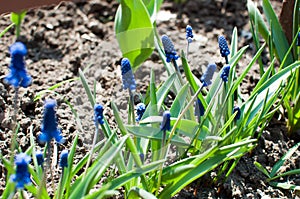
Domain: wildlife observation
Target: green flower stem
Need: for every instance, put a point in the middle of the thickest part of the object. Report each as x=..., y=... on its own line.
x=162, y=156
x=60, y=189
x=131, y=114
x=43, y=182
x=92, y=149
x=14, y=132
x=187, y=50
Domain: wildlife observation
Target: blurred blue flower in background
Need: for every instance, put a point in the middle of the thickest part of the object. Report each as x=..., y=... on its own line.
x=22, y=176
x=63, y=161
x=127, y=75
x=49, y=125
x=208, y=75
x=18, y=75
x=199, y=108
x=39, y=157
x=169, y=48
x=189, y=34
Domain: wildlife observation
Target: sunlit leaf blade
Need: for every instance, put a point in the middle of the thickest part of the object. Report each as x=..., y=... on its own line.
x=134, y=31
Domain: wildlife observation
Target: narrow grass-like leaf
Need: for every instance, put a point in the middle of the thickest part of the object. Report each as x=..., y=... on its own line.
x=261, y=169
x=285, y=185
x=123, y=179
x=178, y=103
x=6, y=30
x=160, y=95
x=279, y=38
x=281, y=161
x=86, y=88
x=136, y=192
x=98, y=166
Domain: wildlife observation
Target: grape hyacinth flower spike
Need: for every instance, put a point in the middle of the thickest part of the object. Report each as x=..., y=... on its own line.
x=171, y=55
x=224, y=50
x=49, y=126
x=238, y=115
x=98, y=112
x=165, y=124
x=140, y=109
x=22, y=176
x=127, y=75
x=208, y=75
x=225, y=73
x=63, y=161
x=199, y=109
x=40, y=158
x=298, y=39
x=189, y=38
x=18, y=75
x=189, y=33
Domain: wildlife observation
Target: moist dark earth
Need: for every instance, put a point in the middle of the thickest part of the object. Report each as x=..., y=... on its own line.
x=70, y=36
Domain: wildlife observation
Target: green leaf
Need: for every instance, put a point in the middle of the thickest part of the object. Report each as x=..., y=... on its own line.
x=279, y=38
x=178, y=103
x=154, y=134
x=86, y=88
x=97, y=168
x=171, y=173
x=261, y=169
x=17, y=18
x=281, y=161
x=136, y=192
x=123, y=179
x=134, y=31
x=6, y=29
x=285, y=186
x=160, y=95
x=271, y=86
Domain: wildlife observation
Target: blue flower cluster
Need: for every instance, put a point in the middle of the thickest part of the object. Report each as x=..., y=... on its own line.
x=166, y=122
x=18, y=75
x=22, y=176
x=199, y=108
x=224, y=50
x=225, y=73
x=63, y=161
x=49, y=126
x=169, y=49
x=208, y=75
x=127, y=75
x=298, y=39
x=98, y=112
x=140, y=109
x=39, y=157
x=189, y=33
x=238, y=110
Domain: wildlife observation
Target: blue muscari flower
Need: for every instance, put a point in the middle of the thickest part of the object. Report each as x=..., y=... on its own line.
x=49, y=126
x=165, y=124
x=18, y=75
x=298, y=39
x=127, y=75
x=238, y=110
x=208, y=75
x=98, y=112
x=199, y=108
x=189, y=33
x=22, y=176
x=224, y=50
x=63, y=161
x=140, y=109
x=169, y=48
x=39, y=157
x=225, y=73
